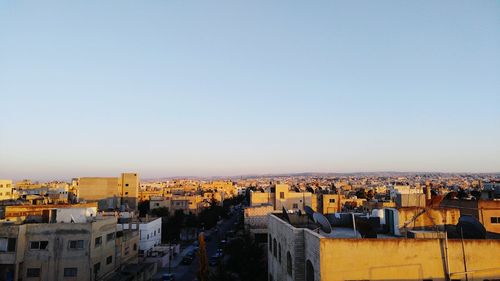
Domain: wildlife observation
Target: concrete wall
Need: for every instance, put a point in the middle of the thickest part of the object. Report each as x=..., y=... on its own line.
x=256, y=217
x=291, y=241
x=440, y=217
x=150, y=235
x=406, y=259
x=261, y=198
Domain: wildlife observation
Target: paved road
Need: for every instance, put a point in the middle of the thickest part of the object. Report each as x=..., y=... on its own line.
x=188, y=272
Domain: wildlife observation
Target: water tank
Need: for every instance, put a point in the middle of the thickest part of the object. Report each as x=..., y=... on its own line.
x=379, y=213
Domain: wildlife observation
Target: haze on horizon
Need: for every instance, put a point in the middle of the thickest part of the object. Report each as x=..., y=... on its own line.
x=178, y=88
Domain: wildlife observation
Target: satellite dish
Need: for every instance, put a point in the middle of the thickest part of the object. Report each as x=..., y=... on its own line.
x=471, y=228
x=323, y=222
x=309, y=211
x=285, y=215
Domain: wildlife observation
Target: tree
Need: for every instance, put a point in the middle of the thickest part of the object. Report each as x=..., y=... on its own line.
x=143, y=208
x=248, y=259
x=160, y=212
x=202, y=254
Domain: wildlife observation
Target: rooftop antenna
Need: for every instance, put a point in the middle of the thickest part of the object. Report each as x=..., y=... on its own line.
x=285, y=215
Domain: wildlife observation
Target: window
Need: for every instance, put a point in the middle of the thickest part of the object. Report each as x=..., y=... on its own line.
x=97, y=267
x=110, y=237
x=309, y=271
x=7, y=244
x=98, y=241
x=109, y=259
x=39, y=245
x=279, y=252
x=159, y=230
x=147, y=236
x=332, y=200
x=289, y=264
x=126, y=193
x=76, y=244
x=282, y=195
x=275, y=248
x=70, y=272
x=126, y=184
x=135, y=247
x=495, y=220
x=33, y=272
x=295, y=206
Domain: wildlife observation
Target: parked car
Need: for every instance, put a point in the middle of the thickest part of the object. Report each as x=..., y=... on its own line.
x=187, y=260
x=168, y=277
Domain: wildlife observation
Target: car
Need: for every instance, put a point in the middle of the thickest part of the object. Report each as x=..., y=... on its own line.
x=168, y=277
x=187, y=260
x=191, y=254
x=214, y=260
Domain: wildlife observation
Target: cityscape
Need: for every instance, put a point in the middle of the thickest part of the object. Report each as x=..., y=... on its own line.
x=229, y=140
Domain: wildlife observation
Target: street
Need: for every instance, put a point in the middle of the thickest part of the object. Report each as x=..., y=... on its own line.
x=188, y=272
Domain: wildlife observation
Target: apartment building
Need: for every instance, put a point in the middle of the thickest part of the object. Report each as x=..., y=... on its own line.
x=109, y=192
x=58, y=250
x=6, y=190
x=150, y=230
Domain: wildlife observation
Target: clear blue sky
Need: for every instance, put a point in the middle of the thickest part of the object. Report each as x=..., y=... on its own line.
x=181, y=87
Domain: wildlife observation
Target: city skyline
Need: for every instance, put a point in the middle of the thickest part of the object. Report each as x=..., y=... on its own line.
x=233, y=88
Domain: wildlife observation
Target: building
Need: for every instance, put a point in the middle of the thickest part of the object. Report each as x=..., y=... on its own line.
x=6, y=190
x=22, y=212
x=188, y=204
x=486, y=211
x=149, y=232
x=298, y=251
x=280, y=196
x=84, y=250
x=110, y=192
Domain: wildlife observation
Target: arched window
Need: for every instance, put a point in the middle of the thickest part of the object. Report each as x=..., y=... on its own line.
x=279, y=252
x=275, y=248
x=309, y=271
x=289, y=264
x=270, y=243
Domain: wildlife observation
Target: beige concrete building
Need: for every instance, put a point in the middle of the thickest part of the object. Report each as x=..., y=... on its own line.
x=186, y=203
x=111, y=192
x=69, y=246
x=298, y=252
x=6, y=189
x=281, y=196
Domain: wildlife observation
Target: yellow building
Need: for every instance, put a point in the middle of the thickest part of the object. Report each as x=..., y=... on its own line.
x=6, y=190
x=188, y=204
x=27, y=184
x=281, y=196
x=486, y=211
x=110, y=192
x=331, y=203
x=299, y=252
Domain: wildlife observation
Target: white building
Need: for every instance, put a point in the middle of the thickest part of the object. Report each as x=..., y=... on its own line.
x=149, y=231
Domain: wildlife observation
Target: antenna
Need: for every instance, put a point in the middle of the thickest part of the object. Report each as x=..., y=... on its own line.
x=285, y=215
x=323, y=222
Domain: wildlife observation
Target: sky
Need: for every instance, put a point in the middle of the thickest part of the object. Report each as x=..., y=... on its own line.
x=225, y=88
